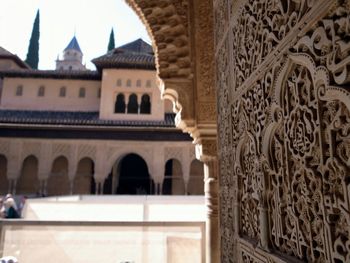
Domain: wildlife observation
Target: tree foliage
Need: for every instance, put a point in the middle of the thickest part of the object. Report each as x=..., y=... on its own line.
x=111, y=43
x=33, y=49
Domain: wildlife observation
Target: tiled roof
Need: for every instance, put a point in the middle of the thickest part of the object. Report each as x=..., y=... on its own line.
x=134, y=55
x=65, y=118
x=4, y=52
x=8, y=55
x=52, y=74
x=73, y=44
x=139, y=46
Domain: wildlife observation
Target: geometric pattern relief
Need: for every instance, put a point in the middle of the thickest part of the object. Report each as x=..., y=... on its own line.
x=310, y=174
x=260, y=27
x=284, y=143
x=249, y=188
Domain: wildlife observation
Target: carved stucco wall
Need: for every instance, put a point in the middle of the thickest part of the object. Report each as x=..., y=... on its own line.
x=284, y=129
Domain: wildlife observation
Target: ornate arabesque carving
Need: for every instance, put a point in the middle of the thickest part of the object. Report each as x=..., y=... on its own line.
x=86, y=151
x=290, y=131
x=173, y=153
x=259, y=28
x=249, y=187
x=31, y=148
x=59, y=149
x=205, y=51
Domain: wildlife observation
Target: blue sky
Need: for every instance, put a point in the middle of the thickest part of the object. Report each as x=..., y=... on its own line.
x=91, y=20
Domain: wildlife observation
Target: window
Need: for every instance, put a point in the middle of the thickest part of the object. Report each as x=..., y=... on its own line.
x=119, y=106
x=70, y=67
x=138, y=83
x=82, y=93
x=41, y=91
x=128, y=83
x=145, y=106
x=99, y=93
x=133, y=107
x=119, y=82
x=19, y=90
x=62, y=91
x=148, y=84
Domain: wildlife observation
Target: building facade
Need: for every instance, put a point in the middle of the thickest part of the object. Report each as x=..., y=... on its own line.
x=76, y=131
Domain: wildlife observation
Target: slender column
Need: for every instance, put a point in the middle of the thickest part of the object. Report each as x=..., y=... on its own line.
x=14, y=186
x=207, y=153
x=71, y=186
x=212, y=203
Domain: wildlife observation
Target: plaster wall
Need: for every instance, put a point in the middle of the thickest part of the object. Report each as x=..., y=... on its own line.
x=110, y=90
x=51, y=101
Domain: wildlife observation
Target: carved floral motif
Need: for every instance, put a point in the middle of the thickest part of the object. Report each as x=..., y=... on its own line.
x=259, y=28
x=289, y=131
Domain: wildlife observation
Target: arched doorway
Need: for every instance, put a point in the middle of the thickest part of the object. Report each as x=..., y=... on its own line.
x=84, y=182
x=28, y=181
x=58, y=182
x=173, y=183
x=3, y=175
x=129, y=177
x=196, y=182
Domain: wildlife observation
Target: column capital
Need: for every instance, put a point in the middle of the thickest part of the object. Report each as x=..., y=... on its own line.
x=206, y=149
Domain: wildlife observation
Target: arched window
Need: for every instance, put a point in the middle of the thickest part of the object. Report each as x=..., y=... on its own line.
x=41, y=91
x=62, y=91
x=70, y=67
x=82, y=92
x=138, y=83
x=132, y=105
x=119, y=106
x=145, y=106
x=148, y=84
x=99, y=93
x=119, y=82
x=19, y=90
x=128, y=83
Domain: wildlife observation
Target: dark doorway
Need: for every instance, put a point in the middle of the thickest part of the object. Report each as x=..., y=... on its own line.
x=167, y=185
x=134, y=178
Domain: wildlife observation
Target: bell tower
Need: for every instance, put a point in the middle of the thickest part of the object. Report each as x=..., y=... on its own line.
x=72, y=57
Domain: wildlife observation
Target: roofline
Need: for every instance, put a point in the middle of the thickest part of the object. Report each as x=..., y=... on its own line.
x=89, y=127
x=51, y=74
x=103, y=65
x=17, y=60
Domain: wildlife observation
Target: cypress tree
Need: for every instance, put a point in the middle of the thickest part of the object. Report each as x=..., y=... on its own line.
x=33, y=49
x=111, y=44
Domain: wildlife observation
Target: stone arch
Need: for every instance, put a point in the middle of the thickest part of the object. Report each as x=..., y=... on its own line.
x=58, y=181
x=168, y=26
x=145, y=106
x=133, y=106
x=248, y=197
x=28, y=182
x=196, y=180
x=173, y=182
x=84, y=182
x=119, y=106
x=3, y=175
x=119, y=155
x=113, y=181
